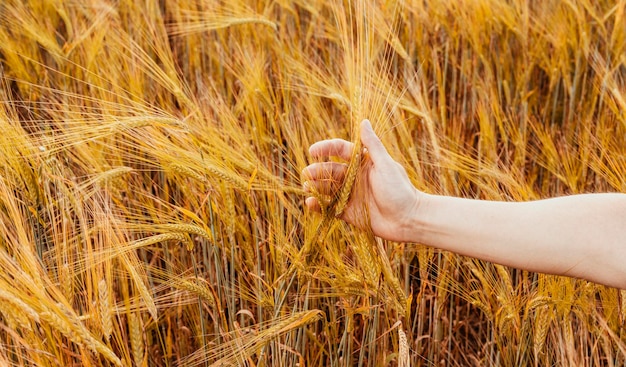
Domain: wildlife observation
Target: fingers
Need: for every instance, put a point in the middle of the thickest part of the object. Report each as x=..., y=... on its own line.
x=331, y=148
x=343, y=149
x=374, y=146
x=322, y=187
x=324, y=178
x=325, y=170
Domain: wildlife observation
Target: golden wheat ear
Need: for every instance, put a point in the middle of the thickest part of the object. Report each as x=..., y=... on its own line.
x=354, y=168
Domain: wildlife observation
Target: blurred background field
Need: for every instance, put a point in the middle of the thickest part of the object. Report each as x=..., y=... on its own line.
x=151, y=211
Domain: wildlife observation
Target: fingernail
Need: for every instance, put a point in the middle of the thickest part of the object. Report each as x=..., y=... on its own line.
x=308, y=202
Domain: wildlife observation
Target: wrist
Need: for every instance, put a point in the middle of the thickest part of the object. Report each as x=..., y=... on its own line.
x=414, y=226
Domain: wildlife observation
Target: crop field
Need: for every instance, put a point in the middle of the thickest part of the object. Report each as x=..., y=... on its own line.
x=151, y=202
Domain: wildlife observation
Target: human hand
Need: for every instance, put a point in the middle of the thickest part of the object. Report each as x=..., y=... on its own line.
x=382, y=192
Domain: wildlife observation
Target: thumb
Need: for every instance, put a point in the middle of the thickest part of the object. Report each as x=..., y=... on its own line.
x=374, y=146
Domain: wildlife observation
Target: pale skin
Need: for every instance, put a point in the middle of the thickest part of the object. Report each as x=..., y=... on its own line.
x=582, y=236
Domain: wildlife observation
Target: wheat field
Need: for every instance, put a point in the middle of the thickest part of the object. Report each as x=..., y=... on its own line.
x=151, y=209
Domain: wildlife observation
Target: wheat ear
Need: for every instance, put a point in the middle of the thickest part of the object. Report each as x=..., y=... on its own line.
x=234, y=180
x=543, y=319
x=366, y=260
x=403, y=348
x=346, y=188
x=188, y=228
x=17, y=312
x=193, y=285
x=392, y=280
x=67, y=282
x=136, y=339
x=111, y=175
x=106, y=319
x=78, y=333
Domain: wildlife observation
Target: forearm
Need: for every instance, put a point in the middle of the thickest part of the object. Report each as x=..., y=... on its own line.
x=582, y=235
